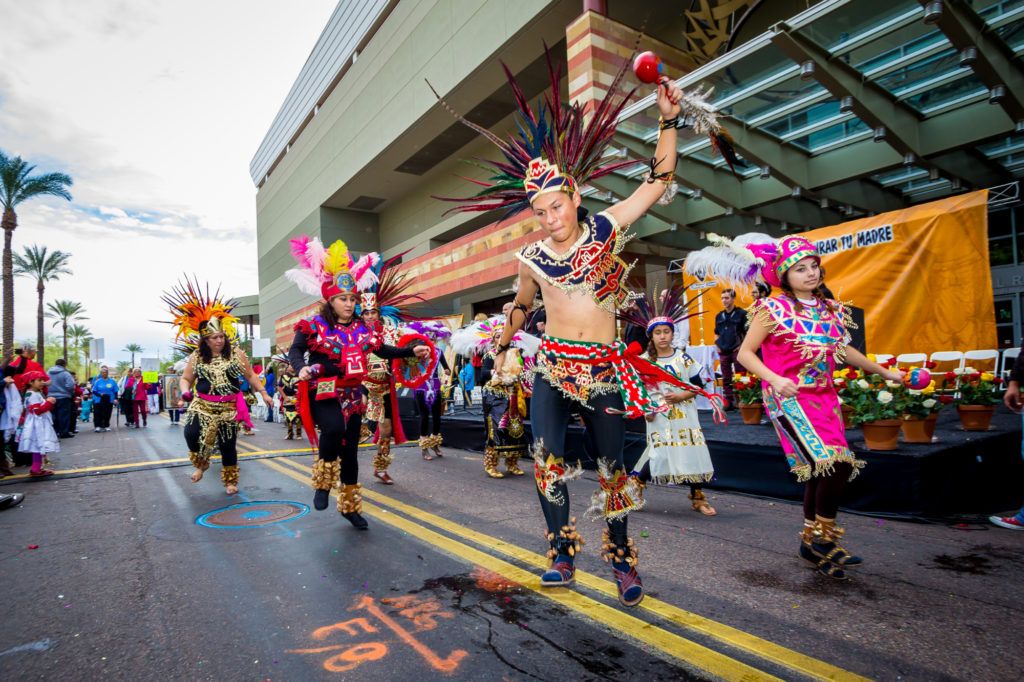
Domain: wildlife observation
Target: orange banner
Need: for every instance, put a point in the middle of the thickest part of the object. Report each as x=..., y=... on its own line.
x=921, y=275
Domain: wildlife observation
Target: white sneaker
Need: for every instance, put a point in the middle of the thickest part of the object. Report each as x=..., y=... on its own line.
x=98, y=429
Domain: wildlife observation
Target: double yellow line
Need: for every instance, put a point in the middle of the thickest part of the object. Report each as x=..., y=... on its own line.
x=688, y=652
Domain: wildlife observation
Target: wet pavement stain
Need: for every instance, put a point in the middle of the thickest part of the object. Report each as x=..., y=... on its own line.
x=813, y=584
x=495, y=600
x=972, y=564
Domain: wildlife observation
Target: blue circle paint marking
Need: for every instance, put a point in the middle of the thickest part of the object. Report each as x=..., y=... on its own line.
x=252, y=515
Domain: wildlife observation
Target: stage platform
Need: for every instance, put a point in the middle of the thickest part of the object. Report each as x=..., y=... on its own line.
x=961, y=473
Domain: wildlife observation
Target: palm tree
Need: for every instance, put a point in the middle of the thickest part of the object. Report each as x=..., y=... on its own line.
x=79, y=337
x=18, y=185
x=133, y=348
x=43, y=266
x=65, y=312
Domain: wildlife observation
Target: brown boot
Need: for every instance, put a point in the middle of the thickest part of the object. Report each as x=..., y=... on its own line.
x=491, y=463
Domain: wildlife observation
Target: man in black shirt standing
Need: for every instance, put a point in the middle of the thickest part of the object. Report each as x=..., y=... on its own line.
x=729, y=327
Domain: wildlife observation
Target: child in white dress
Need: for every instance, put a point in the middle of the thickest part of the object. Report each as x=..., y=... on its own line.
x=35, y=432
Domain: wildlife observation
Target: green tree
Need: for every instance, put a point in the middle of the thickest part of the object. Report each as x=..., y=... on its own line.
x=133, y=348
x=43, y=266
x=79, y=338
x=17, y=184
x=122, y=368
x=65, y=312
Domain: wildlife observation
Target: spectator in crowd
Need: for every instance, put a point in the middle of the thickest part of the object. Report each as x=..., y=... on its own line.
x=140, y=399
x=62, y=389
x=104, y=392
x=730, y=324
x=10, y=410
x=271, y=385
x=1012, y=398
x=86, y=402
x=126, y=394
x=77, y=404
x=25, y=362
x=761, y=290
x=153, y=397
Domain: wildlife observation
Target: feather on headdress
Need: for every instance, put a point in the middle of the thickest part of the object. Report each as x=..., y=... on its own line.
x=331, y=271
x=389, y=294
x=749, y=257
x=480, y=337
x=560, y=135
x=661, y=306
x=197, y=314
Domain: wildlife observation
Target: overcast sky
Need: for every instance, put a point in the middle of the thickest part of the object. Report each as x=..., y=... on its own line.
x=154, y=108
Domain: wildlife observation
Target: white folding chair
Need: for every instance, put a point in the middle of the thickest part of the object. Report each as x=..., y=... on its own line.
x=947, y=361
x=982, y=360
x=1010, y=356
x=882, y=358
x=904, y=360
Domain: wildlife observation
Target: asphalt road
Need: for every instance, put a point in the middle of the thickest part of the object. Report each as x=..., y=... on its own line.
x=135, y=576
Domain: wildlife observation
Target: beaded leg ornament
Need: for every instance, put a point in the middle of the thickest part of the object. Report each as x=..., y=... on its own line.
x=229, y=476
x=199, y=461
x=350, y=499
x=325, y=474
x=382, y=460
x=550, y=471
x=618, y=495
x=567, y=541
x=491, y=462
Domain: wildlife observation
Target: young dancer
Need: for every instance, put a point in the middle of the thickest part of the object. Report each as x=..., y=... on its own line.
x=429, y=398
x=802, y=337
x=676, y=450
x=329, y=352
x=577, y=270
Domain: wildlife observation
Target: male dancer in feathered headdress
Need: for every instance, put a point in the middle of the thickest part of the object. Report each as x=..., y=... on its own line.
x=577, y=270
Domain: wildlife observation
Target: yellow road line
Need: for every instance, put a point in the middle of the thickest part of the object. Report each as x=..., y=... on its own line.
x=720, y=631
x=671, y=644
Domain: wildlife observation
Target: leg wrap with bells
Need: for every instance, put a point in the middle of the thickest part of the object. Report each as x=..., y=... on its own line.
x=198, y=461
x=491, y=462
x=566, y=542
x=325, y=474
x=383, y=458
x=229, y=476
x=350, y=500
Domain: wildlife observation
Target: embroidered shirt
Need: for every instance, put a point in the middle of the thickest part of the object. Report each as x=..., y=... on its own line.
x=592, y=264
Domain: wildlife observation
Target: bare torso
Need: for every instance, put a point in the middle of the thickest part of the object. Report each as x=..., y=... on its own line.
x=573, y=316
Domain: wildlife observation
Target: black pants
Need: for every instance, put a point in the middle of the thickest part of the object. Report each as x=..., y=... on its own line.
x=551, y=411
x=62, y=415
x=338, y=439
x=102, y=411
x=426, y=428
x=822, y=494
x=227, y=446
x=128, y=410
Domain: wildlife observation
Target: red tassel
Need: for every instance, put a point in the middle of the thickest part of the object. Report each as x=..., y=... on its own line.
x=302, y=405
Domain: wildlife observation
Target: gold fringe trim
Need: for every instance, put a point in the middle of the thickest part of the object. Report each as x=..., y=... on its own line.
x=618, y=495
x=825, y=467
x=611, y=552
x=683, y=479
x=567, y=538
x=229, y=475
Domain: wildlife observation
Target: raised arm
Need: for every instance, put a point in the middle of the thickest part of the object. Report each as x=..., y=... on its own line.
x=628, y=211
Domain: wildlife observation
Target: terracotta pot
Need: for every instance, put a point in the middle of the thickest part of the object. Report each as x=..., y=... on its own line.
x=882, y=434
x=752, y=413
x=918, y=430
x=847, y=416
x=975, y=417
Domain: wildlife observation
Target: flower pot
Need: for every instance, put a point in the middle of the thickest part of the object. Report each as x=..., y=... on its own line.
x=752, y=413
x=975, y=417
x=918, y=430
x=847, y=416
x=882, y=434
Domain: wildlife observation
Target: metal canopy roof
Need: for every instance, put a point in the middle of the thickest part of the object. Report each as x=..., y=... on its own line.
x=847, y=109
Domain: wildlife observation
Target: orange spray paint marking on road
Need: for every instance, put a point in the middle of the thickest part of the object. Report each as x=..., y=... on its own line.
x=447, y=665
x=424, y=613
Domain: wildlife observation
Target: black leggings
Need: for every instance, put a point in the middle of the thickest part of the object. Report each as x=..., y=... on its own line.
x=102, y=411
x=551, y=415
x=426, y=413
x=823, y=493
x=227, y=447
x=338, y=439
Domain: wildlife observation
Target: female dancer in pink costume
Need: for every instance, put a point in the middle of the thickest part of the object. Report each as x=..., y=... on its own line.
x=802, y=337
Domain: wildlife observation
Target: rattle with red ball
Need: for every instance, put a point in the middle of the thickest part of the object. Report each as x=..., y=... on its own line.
x=917, y=379
x=648, y=68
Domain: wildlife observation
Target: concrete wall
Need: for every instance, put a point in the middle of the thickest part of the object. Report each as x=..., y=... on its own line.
x=381, y=111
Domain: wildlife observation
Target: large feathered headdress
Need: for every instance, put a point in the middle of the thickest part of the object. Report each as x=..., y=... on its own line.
x=480, y=338
x=749, y=257
x=331, y=271
x=389, y=295
x=197, y=314
x=556, y=148
x=669, y=307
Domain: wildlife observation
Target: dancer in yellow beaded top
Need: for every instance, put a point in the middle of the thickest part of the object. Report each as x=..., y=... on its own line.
x=215, y=369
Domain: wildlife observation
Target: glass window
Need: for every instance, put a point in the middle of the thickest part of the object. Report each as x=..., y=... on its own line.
x=1000, y=223
x=1005, y=313
x=1000, y=251
x=1004, y=332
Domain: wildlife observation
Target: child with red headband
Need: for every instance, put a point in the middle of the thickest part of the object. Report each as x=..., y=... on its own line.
x=35, y=432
